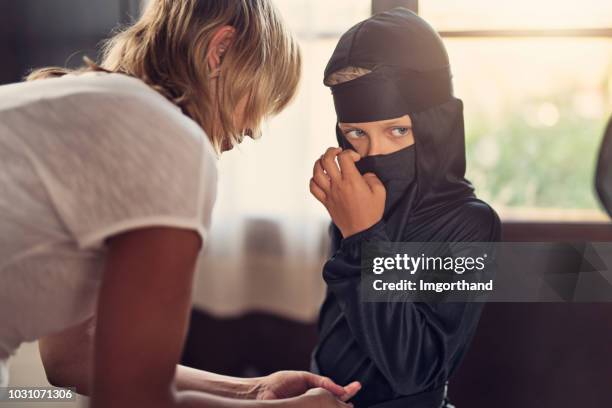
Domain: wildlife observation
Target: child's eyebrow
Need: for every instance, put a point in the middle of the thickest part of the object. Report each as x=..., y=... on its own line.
x=389, y=122
x=348, y=125
x=398, y=121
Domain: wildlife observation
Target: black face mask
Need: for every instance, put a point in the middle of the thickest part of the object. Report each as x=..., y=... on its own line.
x=398, y=166
x=396, y=170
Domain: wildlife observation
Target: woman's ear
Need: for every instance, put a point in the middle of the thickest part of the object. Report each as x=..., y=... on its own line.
x=220, y=42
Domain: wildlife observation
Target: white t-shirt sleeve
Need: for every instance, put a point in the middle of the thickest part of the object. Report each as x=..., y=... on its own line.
x=122, y=162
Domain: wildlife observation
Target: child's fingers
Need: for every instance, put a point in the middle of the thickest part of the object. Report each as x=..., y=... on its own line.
x=319, y=176
x=328, y=161
x=317, y=191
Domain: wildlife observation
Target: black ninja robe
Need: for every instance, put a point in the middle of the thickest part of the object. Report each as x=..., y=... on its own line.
x=403, y=353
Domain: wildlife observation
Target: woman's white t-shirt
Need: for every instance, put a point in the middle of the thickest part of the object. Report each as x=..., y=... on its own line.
x=82, y=158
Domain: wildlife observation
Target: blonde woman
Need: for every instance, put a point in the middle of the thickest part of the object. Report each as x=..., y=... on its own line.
x=107, y=181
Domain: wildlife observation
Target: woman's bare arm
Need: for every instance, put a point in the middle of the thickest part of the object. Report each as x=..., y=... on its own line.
x=67, y=359
x=143, y=310
x=142, y=318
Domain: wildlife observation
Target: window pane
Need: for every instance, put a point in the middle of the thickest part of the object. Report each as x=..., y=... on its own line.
x=536, y=111
x=317, y=17
x=517, y=14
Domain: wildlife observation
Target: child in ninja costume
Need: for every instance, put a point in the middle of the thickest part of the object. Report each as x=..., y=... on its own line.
x=391, y=83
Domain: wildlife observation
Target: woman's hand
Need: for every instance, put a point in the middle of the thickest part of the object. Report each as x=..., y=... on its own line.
x=354, y=202
x=287, y=384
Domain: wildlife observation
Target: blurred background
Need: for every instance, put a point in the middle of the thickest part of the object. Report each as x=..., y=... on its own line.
x=536, y=81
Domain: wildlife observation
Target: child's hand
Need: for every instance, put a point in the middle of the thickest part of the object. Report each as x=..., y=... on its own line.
x=354, y=202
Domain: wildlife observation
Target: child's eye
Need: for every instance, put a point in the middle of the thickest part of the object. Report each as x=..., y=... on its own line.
x=354, y=133
x=400, y=131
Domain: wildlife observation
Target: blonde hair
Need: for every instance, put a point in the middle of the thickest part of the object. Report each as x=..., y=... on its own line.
x=344, y=75
x=167, y=48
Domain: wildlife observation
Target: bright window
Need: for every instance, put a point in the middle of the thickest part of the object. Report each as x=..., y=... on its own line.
x=517, y=14
x=536, y=108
